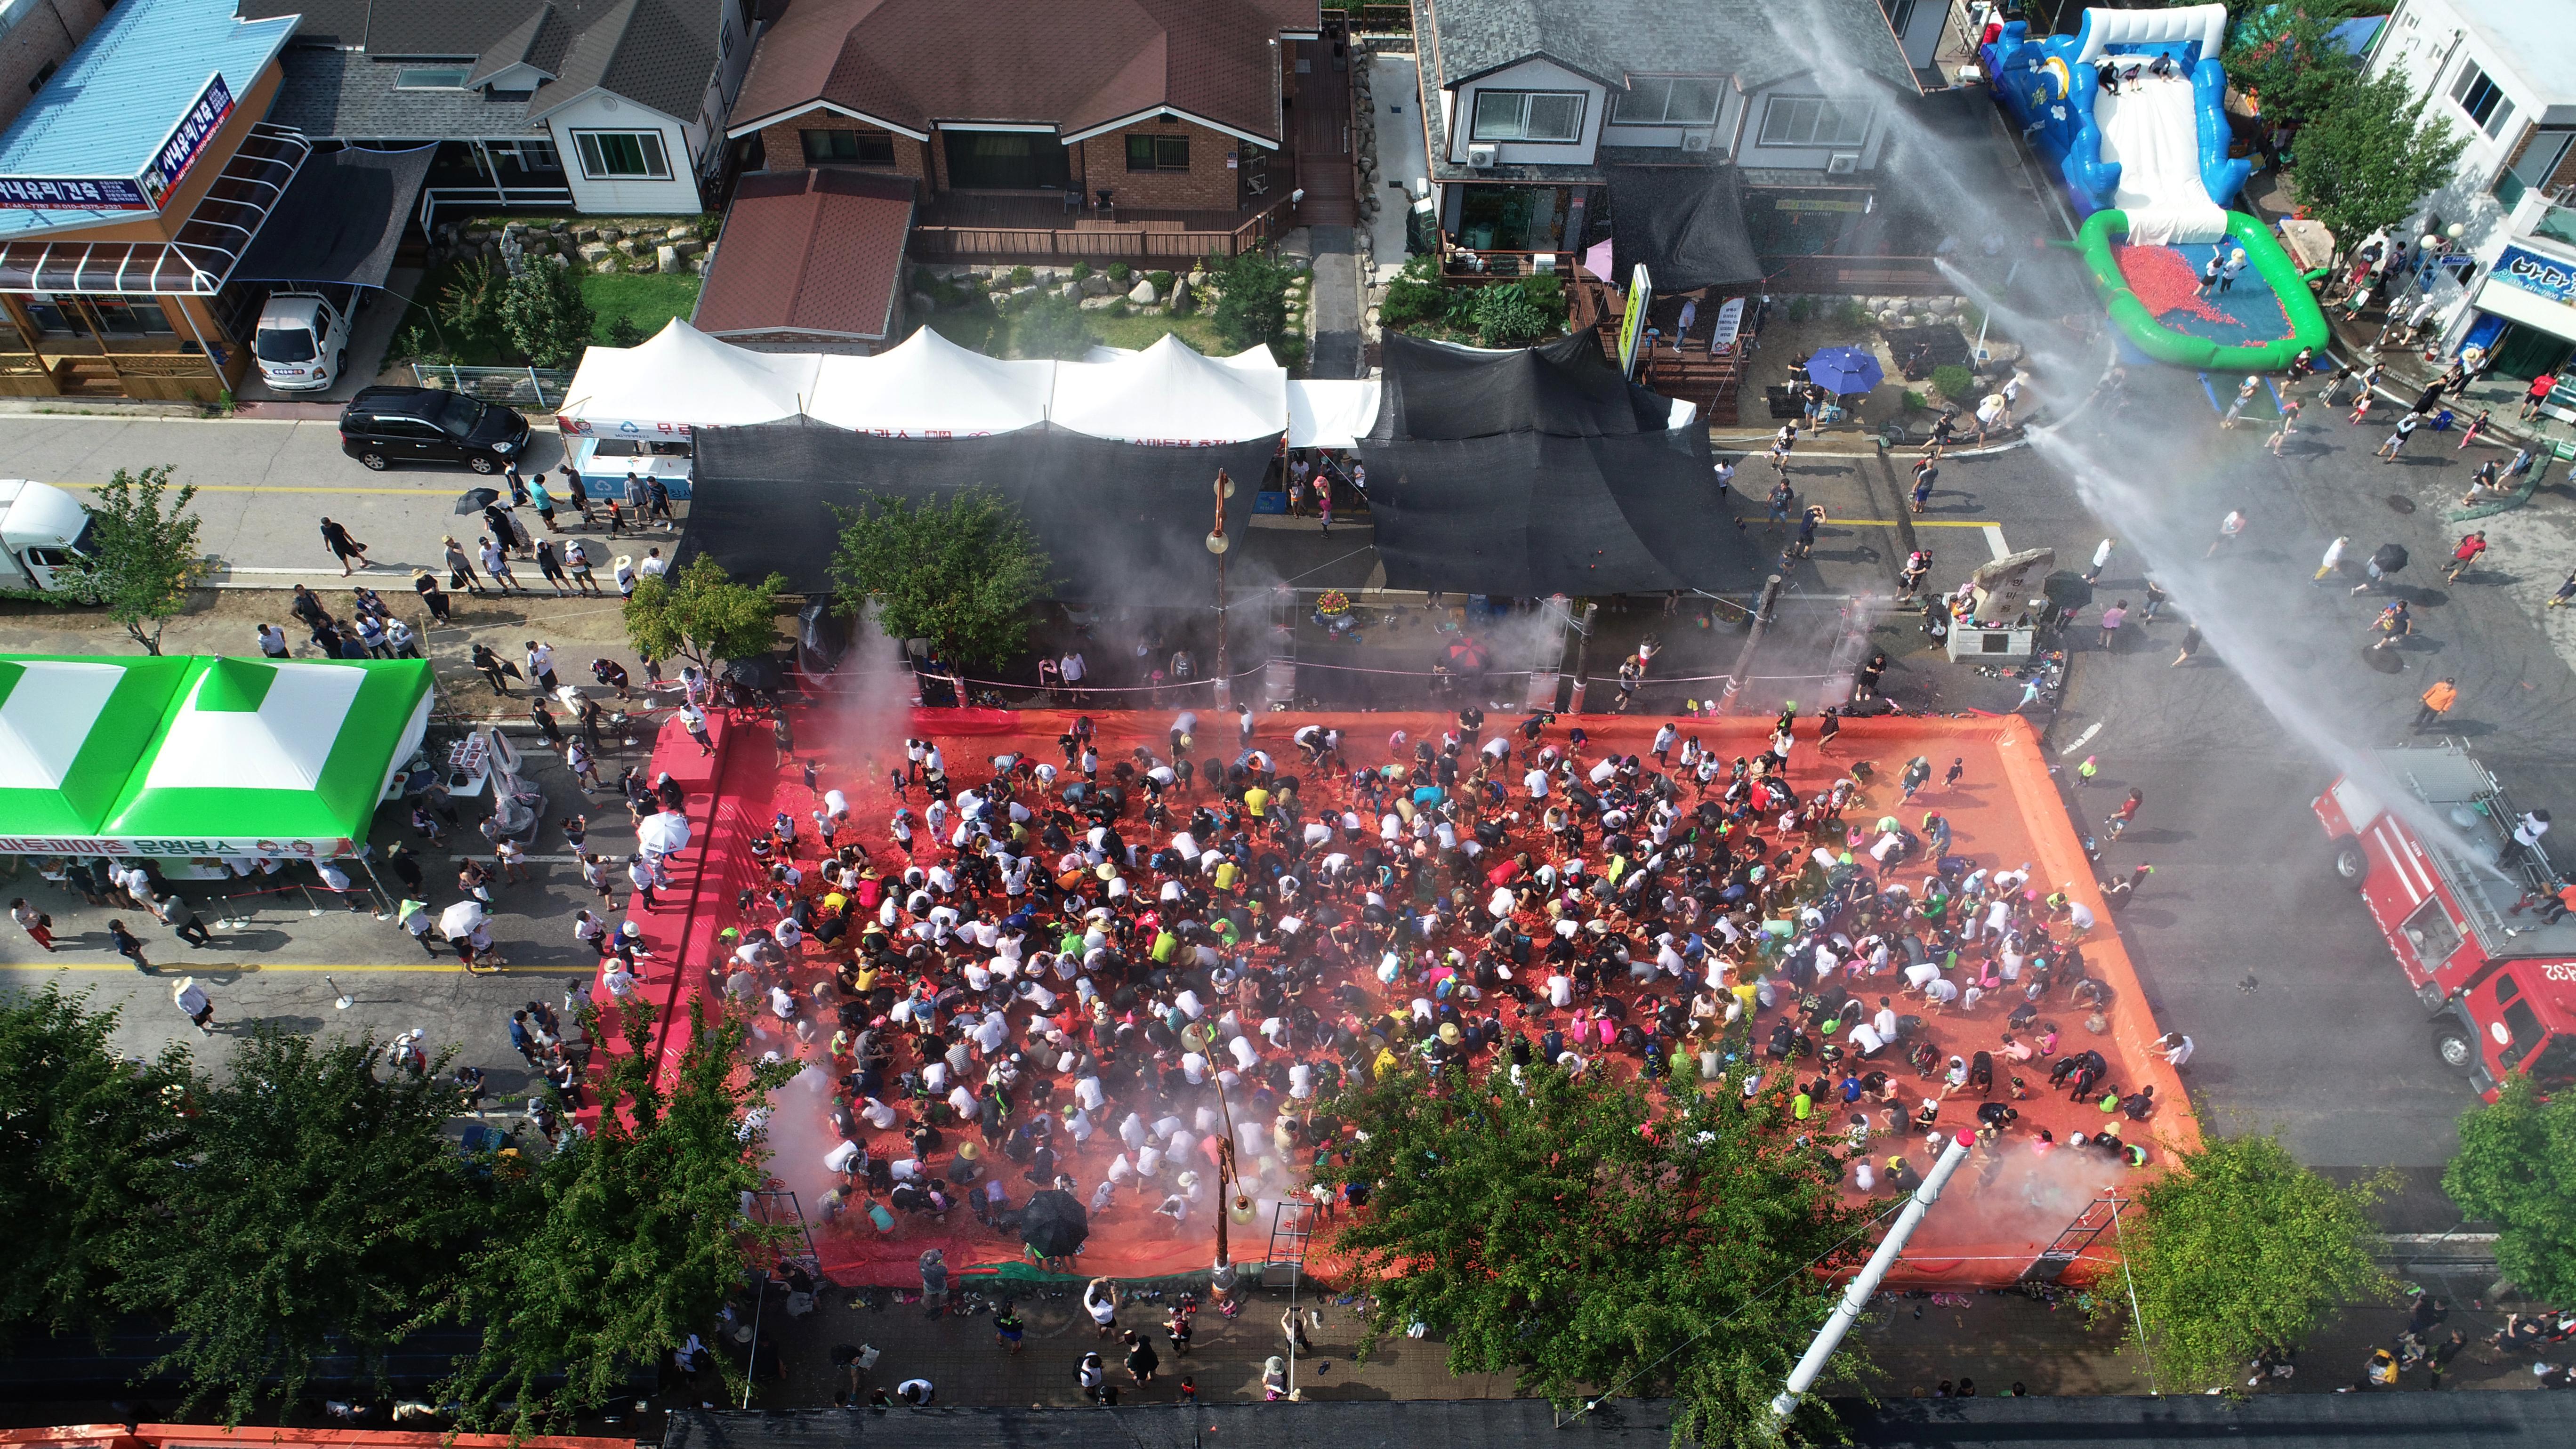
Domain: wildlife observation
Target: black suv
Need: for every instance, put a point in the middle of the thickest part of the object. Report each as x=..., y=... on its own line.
x=383, y=426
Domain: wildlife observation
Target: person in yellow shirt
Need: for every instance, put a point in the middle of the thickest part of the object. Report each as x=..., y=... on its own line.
x=1256, y=802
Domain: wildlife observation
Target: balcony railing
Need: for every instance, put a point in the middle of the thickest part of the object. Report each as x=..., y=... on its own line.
x=2557, y=223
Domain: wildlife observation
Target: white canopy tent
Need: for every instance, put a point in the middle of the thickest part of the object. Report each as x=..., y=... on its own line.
x=1331, y=413
x=1172, y=396
x=931, y=387
x=679, y=379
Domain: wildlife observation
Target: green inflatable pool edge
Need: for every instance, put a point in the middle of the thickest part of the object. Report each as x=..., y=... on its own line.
x=2181, y=349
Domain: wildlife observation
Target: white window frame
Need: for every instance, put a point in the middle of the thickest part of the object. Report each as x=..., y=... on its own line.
x=1786, y=118
x=594, y=159
x=407, y=77
x=1476, y=120
x=2472, y=75
x=1662, y=86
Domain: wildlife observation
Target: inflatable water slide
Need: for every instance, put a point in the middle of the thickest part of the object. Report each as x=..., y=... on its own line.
x=2131, y=109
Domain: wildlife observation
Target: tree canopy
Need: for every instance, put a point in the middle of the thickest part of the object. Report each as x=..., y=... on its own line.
x=314, y=1208
x=544, y=314
x=143, y=555
x=1252, y=298
x=1573, y=1233
x=79, y=1133
x=960, y=572
x=2369, y=156
x=631, y=1236
x=2240, y=1249
x=701, y=614
x=2516, y=1168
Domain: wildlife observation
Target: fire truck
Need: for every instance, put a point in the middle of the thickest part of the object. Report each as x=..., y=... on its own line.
x=2478, y=918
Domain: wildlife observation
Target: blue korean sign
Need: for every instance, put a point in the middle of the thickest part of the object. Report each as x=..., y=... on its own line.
x=186, y=142
x=2533, y=272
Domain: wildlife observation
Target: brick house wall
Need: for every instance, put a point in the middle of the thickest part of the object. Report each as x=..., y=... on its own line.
x=782, y=146
x=45, y=35
x=1207, y=186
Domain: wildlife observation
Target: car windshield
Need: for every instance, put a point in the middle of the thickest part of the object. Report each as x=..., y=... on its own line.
x=285, y=344
x=457, y=415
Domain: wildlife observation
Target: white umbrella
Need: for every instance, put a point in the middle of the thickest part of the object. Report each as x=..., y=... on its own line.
x=459, y=920
x=663, y=833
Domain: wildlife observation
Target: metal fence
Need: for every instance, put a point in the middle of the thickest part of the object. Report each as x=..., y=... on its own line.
x=541, y=388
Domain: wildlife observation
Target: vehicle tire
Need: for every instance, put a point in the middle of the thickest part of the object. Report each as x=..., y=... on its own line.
x=482, y=463
x=2457, y=1046
x=375, y=461
x=2431, y=995
x=2351, y=862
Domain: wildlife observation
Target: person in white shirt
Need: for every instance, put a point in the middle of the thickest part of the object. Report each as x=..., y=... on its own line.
x=2176, y=1047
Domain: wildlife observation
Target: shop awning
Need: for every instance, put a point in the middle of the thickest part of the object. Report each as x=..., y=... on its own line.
x=207, y=248
x=341, y=220
x=1686, y=223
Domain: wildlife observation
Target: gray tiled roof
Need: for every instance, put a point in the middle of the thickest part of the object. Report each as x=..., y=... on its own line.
x=1609, y=40
x=657, y=53
x=343, y=94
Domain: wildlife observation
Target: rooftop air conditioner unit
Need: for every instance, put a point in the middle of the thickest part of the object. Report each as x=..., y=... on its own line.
x=1480, y=157
x=1694, y=140
x=1842, y=163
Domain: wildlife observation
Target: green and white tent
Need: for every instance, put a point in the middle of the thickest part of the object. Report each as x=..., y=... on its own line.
x=242, y=757
x=72, y=729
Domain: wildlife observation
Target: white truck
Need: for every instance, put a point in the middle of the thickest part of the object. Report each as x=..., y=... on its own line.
x=303, y=338
x=42, y=528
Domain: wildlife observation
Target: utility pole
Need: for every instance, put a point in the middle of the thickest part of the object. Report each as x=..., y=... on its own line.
x=1582, y=643
x=1218, y=543
x=1762, y=613
x=1856, y=1297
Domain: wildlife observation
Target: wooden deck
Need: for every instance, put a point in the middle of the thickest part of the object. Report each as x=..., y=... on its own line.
x=1690, y=374
x=1327, y=172
x=1025, y=229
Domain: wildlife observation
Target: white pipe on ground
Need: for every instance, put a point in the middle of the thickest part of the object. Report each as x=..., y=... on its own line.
x=1857, y=1296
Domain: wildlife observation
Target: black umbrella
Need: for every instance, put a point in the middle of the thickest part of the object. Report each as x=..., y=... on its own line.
x=1054, y=1224
x=2390, y=558
x=475, y=500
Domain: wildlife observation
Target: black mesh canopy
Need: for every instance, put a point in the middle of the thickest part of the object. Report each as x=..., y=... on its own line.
x=1686, y=223
x=1123, y=522
x=340, y=219
x=1566, y=387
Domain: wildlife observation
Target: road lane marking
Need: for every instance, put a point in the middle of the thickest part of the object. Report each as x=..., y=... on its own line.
x=1995, y=541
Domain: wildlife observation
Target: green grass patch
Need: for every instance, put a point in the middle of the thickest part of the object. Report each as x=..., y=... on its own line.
x=650, y=298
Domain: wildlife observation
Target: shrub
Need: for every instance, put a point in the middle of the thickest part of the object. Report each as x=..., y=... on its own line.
x=1546, y=291
x=1252, y=300
x=1506, y=317
x=1916, y=402
x=1801, y=308
x=1953, y=382
x=1415, y=296
x=1081, y=271
x=1290, y=349
x=622, y=331
x=1162, y=282
x=1052, y=327
x=1119, y=272
x=1022, y=276
x=1851, y=313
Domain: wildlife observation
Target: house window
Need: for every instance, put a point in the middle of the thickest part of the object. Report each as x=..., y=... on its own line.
x=431, y=77
x=1667, y=101
x=2474, y=93
x=1545, y=116
x=1158, y=153
x=848, y=148
x=1812, y=121
x=622, y=155
x=2540, y=157
x=1007, y=161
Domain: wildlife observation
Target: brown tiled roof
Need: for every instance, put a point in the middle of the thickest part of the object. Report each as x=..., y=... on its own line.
x=809, y=251
x=1047, y=62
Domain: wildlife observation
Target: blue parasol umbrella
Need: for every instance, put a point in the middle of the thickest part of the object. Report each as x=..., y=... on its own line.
x=1843, y=370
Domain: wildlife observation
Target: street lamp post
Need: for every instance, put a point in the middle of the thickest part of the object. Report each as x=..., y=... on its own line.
x=1218, y=543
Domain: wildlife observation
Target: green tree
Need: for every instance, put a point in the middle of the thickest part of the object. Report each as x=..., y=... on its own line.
x=633, y=1236
x=959, y=572
x=2371, y=157
x=80, y=1130
x=2287, y=61
x=319, y=1211
x=544, y=315
x=1052, y=327
x=701, y=614
x=2516, y=1168
x=143, y=554
x=469, y=307
x=1588, y=1241
x=1252, y=298
x=622, y=331
x=2240, y=1249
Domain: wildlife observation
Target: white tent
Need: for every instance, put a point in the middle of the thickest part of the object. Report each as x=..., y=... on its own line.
x=1171, y=396
x=931, y=387
x=1330, y=413
x=680, y=378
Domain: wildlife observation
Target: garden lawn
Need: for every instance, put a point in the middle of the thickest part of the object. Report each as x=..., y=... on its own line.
x=648, y=299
